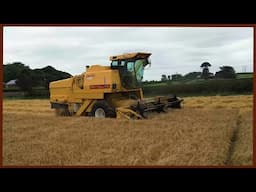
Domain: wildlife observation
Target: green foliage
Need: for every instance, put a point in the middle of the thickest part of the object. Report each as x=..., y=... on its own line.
x=226, y=72
x=40, y=77
x=212, y=86
x=28, y=78
x=205, y=65
x=155, y=84
x=176, y=77
x=192, y=75
x=25, y=80
x=50, y=74
x=12, y=71
x=244, y=75
x=164, y=78
x=205, y=73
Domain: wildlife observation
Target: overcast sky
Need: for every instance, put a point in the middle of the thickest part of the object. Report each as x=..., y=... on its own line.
x=174, y=49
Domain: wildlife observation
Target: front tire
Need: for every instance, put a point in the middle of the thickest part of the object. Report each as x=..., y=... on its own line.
x=101, y=109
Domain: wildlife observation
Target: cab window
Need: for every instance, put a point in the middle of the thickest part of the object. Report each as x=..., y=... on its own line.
x=122, y=63
x=139, y=69
x=130, y=66
x=114, y=63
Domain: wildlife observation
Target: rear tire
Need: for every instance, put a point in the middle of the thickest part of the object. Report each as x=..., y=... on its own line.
x=62, y=112
x=101, y=109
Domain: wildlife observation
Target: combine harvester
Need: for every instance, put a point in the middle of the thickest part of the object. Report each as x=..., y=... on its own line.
x=109, y=91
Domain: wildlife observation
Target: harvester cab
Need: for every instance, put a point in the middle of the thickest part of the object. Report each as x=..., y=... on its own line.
x=109, y=91
x=131, y=68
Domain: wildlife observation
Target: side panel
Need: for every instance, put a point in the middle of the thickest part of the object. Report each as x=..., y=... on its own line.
x=97, y=82
x=60, y=91
x=102, y=81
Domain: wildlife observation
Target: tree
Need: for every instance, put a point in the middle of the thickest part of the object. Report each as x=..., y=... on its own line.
x=12, y=70
x=205, y=73
x=164, y=78
x=205, y=65
x=25, y=80
x=169, y=77
x=192, y=75
x=51, y=74
x=38, y=77
x=226, y=72
x=176, y=77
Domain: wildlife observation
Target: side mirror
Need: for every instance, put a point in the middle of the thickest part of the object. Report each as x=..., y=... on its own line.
x=148, y=62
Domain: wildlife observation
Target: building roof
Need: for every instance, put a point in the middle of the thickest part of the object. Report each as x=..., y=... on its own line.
x=11, y=82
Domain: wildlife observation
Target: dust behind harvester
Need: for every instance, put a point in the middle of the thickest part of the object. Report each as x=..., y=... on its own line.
x=109, y=91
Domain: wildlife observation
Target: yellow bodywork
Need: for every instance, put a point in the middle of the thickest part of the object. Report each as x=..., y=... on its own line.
x=90, y=85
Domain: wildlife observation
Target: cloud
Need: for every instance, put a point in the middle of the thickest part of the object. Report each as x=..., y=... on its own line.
x=174, y=49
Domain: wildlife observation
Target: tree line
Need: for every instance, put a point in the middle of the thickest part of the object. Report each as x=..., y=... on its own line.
x=226, y=72
x=195, y=88
x=27, y=78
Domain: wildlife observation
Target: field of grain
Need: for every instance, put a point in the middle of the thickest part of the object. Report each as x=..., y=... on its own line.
x=206, y=131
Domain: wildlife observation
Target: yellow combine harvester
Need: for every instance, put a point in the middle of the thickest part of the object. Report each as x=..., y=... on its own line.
x=109, y=91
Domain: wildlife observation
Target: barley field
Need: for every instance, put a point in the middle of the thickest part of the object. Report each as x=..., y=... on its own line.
x=207, y=131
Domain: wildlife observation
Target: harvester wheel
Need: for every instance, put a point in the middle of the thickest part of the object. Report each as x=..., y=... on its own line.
x=62, y=112
x=101, y=109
